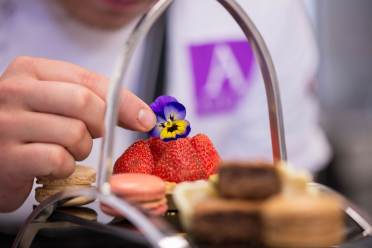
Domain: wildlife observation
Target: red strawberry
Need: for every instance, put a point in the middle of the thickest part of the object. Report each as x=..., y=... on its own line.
x=136, y=159
x=157, y=147
x=179, y=162
x=207, y=153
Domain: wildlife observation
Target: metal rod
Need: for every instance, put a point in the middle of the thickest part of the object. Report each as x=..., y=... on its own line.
x=111, y=118
x=269, y=77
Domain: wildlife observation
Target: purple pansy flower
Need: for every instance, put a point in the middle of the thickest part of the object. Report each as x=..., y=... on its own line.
x=170, y=115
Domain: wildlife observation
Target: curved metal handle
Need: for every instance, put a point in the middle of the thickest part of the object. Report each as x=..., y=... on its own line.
x=269, y=76
x=158, y=233
x=262, y=55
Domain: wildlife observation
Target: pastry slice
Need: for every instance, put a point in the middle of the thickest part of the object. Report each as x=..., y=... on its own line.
x=303, y=221
x=228, y=222
x=248, y=180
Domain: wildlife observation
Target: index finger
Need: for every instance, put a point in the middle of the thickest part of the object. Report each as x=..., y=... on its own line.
x=133, y=113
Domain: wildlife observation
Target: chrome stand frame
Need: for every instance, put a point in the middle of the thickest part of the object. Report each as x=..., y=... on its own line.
x=158, y=234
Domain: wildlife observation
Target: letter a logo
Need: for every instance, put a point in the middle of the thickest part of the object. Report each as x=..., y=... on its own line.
x=221, y=75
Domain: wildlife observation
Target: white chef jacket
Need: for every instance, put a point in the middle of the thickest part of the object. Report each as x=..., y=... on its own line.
x=210, y=69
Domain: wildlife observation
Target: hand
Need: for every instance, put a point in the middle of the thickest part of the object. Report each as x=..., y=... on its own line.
x=49, y=113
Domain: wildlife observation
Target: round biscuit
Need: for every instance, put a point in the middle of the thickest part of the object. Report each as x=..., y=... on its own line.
x=81, y=176
x=42, y=193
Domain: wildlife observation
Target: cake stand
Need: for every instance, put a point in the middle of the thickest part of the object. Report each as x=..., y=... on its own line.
x=155, y=230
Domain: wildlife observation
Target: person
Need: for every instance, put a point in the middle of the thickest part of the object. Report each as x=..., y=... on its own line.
x=57, y=57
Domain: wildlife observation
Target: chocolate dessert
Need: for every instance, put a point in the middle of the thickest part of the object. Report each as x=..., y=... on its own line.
x=248, y=180
x=219, y=221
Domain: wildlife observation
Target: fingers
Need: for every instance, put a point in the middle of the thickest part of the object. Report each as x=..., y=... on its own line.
x=47, y=160
x=66, y=132
x=133, y=113
x=69, y=100
x=55, y=70
x=78, y=102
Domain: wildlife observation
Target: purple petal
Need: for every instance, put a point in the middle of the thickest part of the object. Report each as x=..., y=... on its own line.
x=158, y=105
x=174, y=111
x=155, y=132
x=159, y=119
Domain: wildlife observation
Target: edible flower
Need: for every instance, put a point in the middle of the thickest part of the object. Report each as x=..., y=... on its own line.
x=170, y=116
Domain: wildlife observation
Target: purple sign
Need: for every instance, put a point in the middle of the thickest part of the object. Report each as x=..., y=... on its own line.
x=222, y=72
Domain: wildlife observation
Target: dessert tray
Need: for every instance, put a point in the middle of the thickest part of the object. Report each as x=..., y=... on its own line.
x=48, y=220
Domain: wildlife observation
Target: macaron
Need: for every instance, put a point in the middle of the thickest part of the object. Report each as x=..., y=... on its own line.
x=82, y=177
x=147, y=192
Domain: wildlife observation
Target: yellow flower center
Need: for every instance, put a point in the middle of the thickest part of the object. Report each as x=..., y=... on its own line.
x=168, y=124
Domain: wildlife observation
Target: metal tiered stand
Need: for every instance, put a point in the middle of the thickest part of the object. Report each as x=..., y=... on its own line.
x=156, y=230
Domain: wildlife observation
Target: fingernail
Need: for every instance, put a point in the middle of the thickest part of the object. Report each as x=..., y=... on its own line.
x=146, y=118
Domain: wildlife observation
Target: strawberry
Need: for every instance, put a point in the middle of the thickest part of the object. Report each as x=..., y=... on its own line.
x=184, y=159
x=179, y=162
x=207, y=153
x=157, y=147
x=136, y=159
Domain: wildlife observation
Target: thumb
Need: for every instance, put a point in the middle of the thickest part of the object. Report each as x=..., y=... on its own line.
x=135, y=114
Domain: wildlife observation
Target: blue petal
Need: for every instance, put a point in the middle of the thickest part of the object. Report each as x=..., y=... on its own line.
x=159, y=119
x=155, y=132
x=175, y=110
x=158, y=105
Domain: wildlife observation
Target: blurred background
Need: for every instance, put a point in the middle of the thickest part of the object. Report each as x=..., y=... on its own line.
x=344, y=34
